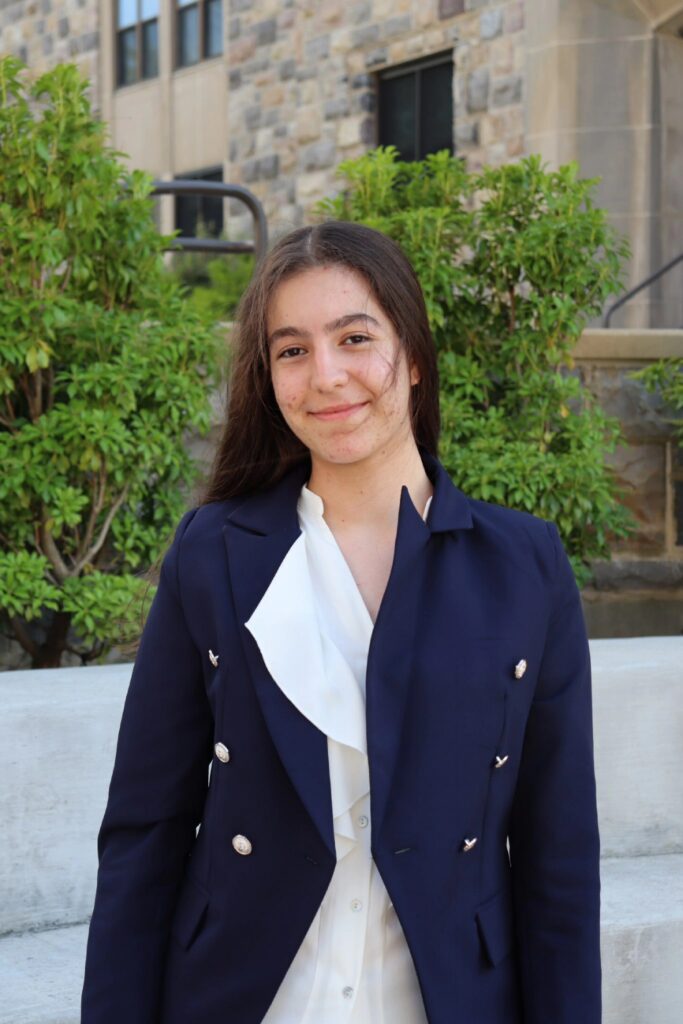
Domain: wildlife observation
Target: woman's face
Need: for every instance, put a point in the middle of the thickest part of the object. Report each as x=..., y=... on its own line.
x=332, y=347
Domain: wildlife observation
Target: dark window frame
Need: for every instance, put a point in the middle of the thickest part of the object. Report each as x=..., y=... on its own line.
x=139, y=28
x=413, y=68
x=202, y=7
x=213, y=173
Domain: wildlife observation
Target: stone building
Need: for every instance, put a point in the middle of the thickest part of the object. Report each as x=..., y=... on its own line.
x=273, y=94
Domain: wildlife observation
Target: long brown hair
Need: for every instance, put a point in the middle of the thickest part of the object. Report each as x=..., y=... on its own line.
x=257, y=446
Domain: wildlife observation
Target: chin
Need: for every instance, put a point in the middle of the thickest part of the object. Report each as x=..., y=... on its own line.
x=343, y=450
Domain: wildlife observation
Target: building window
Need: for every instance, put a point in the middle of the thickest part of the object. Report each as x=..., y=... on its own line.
x=199, y=30
x=415, y=103
x=203, y=214
x=677, y=483
x=137, y=40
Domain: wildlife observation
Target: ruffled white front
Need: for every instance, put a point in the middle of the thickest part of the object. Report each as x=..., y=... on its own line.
x=294, y=636
x=313, y=630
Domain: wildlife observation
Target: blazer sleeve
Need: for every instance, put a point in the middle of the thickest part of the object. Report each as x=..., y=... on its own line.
x=155, y=803
x=554, y=838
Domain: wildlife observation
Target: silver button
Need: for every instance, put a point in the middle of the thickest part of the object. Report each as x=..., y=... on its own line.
x=500, y=761
x=356, y=905
x=347, y=992
x=520, y=668
x=213, y=658
x=363, y=820
x=241, y=844
x=468, y=844
x=222, y=752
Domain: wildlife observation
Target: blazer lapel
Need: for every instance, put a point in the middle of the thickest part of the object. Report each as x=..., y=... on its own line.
x=258, y=534
x=394, y=649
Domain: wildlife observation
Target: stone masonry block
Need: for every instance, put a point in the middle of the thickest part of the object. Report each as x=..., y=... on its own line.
x=450, y=8
x=318, y=48
x=491, y=24
x=319, y=155
x=375, y=57
x=265, y=31
x=397, y=26
x=478, y=90
x=507, y=90
x=365, y=35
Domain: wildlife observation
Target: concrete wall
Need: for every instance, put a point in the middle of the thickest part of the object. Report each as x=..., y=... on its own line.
x=57, y=740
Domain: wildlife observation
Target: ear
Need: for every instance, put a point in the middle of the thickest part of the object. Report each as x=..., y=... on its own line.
x=414, y=375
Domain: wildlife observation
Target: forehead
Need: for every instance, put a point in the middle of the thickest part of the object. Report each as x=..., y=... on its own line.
x=315, y=296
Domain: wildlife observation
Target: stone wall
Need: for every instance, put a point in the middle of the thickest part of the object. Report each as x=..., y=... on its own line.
x=301, y=93
x=48, y=32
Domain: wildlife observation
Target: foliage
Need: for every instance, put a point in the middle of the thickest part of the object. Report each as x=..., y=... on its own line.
x=103, y=370
x=666, y=377
x=215, y=283
x=513, y=261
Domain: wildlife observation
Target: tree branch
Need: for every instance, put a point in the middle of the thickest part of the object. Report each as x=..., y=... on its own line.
x=93, y=550
x=23, y=637
x=51, y=552
x=96, y=506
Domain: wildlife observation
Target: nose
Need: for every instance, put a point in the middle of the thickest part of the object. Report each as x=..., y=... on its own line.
x=327, y=370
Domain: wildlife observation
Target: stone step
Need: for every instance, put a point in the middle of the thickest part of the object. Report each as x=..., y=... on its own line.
x=642, y=939
x=48, y=857
x=642, y=952
x=638, y=735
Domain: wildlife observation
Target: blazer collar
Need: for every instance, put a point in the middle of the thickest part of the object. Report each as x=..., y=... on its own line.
x=274, y=508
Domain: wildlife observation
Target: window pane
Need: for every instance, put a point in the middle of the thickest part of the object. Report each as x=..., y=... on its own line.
x=127, y=13
x=150, y=49
x=213, y=27
x=678, y=510
x=397, y=114
x=436, y=109
x=188, y=35
x=185, y=3
x=191, y=210
x=149, y=9
x=127, y=56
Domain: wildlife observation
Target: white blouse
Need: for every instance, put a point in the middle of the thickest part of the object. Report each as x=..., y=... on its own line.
x=313, y=630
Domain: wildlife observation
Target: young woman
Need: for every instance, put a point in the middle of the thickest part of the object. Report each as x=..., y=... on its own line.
x=391, y=684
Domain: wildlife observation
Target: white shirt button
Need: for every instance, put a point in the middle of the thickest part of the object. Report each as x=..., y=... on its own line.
x=363, y=820
x=347, y=992
x=356, y=905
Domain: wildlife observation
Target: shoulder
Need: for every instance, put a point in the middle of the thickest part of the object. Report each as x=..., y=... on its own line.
x=530, y=541
x=199, y=529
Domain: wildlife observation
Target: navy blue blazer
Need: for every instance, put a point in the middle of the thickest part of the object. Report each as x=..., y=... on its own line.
x=463, y=744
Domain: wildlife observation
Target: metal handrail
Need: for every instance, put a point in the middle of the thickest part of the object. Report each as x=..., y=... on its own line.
x=639, y=287
x=197, y=187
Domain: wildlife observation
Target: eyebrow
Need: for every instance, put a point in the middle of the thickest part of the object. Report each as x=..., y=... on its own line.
x=334, y=325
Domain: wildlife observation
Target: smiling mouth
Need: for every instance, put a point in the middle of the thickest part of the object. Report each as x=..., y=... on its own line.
x=338, y=411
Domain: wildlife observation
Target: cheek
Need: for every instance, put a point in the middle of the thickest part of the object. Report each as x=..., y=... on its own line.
x=287, y=394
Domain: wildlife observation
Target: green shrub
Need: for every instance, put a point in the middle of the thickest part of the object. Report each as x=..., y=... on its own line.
x=513, y=261
x=214, y=284
x=103, y=370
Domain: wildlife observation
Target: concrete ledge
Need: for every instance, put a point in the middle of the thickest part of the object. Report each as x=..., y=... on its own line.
x=41, y=974
x=628, y=345
x=638, y=726
x=642, y=940
x=58, y=732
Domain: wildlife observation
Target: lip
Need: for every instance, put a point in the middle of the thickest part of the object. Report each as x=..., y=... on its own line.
x=338, y=412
